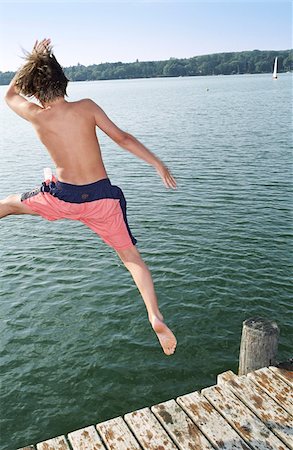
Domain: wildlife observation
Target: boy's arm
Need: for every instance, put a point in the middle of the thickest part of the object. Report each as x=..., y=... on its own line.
x=20, y=105
x=130, y=143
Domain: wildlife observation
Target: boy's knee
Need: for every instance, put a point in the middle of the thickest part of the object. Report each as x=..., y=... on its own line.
x=8, y=203
x=129, y=254
x=11, y=203
x=10, y=198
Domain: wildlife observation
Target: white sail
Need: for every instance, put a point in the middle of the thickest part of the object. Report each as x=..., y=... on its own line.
x=275, y=76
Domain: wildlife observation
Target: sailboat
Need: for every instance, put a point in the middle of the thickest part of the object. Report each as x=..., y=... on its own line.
x=275, y=76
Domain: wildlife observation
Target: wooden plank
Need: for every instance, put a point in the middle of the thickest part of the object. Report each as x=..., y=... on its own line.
x=57, y=443
x=242, y=419
x=28, y=447
x=85, y=439
x=211, y=423
x=274, y=386
x=116, y=435
x=222, y=378
x=286, y=375
x=273, y=416
x=148, y=430
x=180, y=427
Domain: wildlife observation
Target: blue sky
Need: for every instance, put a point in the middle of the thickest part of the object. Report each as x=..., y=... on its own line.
x=94, y=32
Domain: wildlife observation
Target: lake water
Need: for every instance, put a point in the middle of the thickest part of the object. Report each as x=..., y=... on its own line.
x=76, y=345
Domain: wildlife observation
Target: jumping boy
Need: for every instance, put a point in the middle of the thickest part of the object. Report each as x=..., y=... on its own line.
x=81, y=190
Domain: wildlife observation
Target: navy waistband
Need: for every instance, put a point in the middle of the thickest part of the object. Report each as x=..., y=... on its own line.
x=91, y=187
x=80, y=193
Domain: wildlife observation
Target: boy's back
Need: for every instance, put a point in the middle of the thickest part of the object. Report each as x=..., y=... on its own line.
x=68, y=131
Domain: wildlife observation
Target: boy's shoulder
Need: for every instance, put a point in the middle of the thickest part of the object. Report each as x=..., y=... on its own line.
x=85, y=103
x=88, y=101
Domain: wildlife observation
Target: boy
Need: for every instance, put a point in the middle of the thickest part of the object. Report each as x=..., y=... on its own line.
x=82, y=190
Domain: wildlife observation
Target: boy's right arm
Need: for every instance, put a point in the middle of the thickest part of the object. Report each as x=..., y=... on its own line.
x=130, y=143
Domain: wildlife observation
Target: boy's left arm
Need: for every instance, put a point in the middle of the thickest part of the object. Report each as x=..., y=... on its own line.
x=20, y=105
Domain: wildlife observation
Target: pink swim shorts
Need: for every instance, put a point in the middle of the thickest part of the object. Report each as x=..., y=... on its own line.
x=99, y=205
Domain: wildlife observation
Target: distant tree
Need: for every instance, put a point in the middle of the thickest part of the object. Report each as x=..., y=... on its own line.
x=205, y=67
x=288, y=63
x=80, y=75
x=119, y=72
x=191, y=68
x=6, y=77
x=174, y=68
x=223, y=69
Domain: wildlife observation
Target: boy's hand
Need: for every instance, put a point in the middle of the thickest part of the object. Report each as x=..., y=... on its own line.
x=168, y=179
x=43, y=46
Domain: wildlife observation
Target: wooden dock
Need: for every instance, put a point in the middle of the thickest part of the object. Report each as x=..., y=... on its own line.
x=245, y=413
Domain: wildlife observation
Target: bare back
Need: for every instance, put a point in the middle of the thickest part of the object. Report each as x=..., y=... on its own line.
x=68, y=131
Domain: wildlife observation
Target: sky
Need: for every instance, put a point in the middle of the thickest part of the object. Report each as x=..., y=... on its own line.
x=91, y=32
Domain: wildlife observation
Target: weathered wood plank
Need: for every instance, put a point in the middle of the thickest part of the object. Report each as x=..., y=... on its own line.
x=273, y=416
x=286, y=375
x=180, y=427
x=28, y=447
x=148, y=430
x=222, y=378
x=211, y=423
x=242, y=419
x=57, y=443
x=116, y=435
x=85, y=439
x=274, y=386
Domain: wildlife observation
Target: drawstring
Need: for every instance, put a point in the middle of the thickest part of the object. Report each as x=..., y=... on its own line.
x=48, y=187
x=49, y=184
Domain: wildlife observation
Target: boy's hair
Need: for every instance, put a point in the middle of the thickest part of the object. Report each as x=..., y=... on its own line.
x=41, y=76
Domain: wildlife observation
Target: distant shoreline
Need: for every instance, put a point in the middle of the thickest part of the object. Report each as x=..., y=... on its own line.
x=162, y=77
x=231, y=63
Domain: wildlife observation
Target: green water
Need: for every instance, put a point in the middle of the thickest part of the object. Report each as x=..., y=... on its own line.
x=76, y=345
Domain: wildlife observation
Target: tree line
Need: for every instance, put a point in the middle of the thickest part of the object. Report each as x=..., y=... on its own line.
x=256, y=61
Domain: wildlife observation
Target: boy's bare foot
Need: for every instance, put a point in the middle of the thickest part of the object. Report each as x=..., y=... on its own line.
x=165, y=335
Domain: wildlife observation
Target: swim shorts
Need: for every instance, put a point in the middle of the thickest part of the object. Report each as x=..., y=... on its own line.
x=99, y=205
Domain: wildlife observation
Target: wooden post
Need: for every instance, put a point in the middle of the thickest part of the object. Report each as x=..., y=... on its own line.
x=259, y=344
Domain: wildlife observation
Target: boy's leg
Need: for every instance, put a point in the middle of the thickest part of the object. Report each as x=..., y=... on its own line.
x=143, y=279
x=13, y=205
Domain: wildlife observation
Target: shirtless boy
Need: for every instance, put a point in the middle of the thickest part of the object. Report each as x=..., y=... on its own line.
x=81, y=189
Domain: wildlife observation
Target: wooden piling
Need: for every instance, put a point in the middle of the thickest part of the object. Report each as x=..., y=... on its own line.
x=259, y=344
